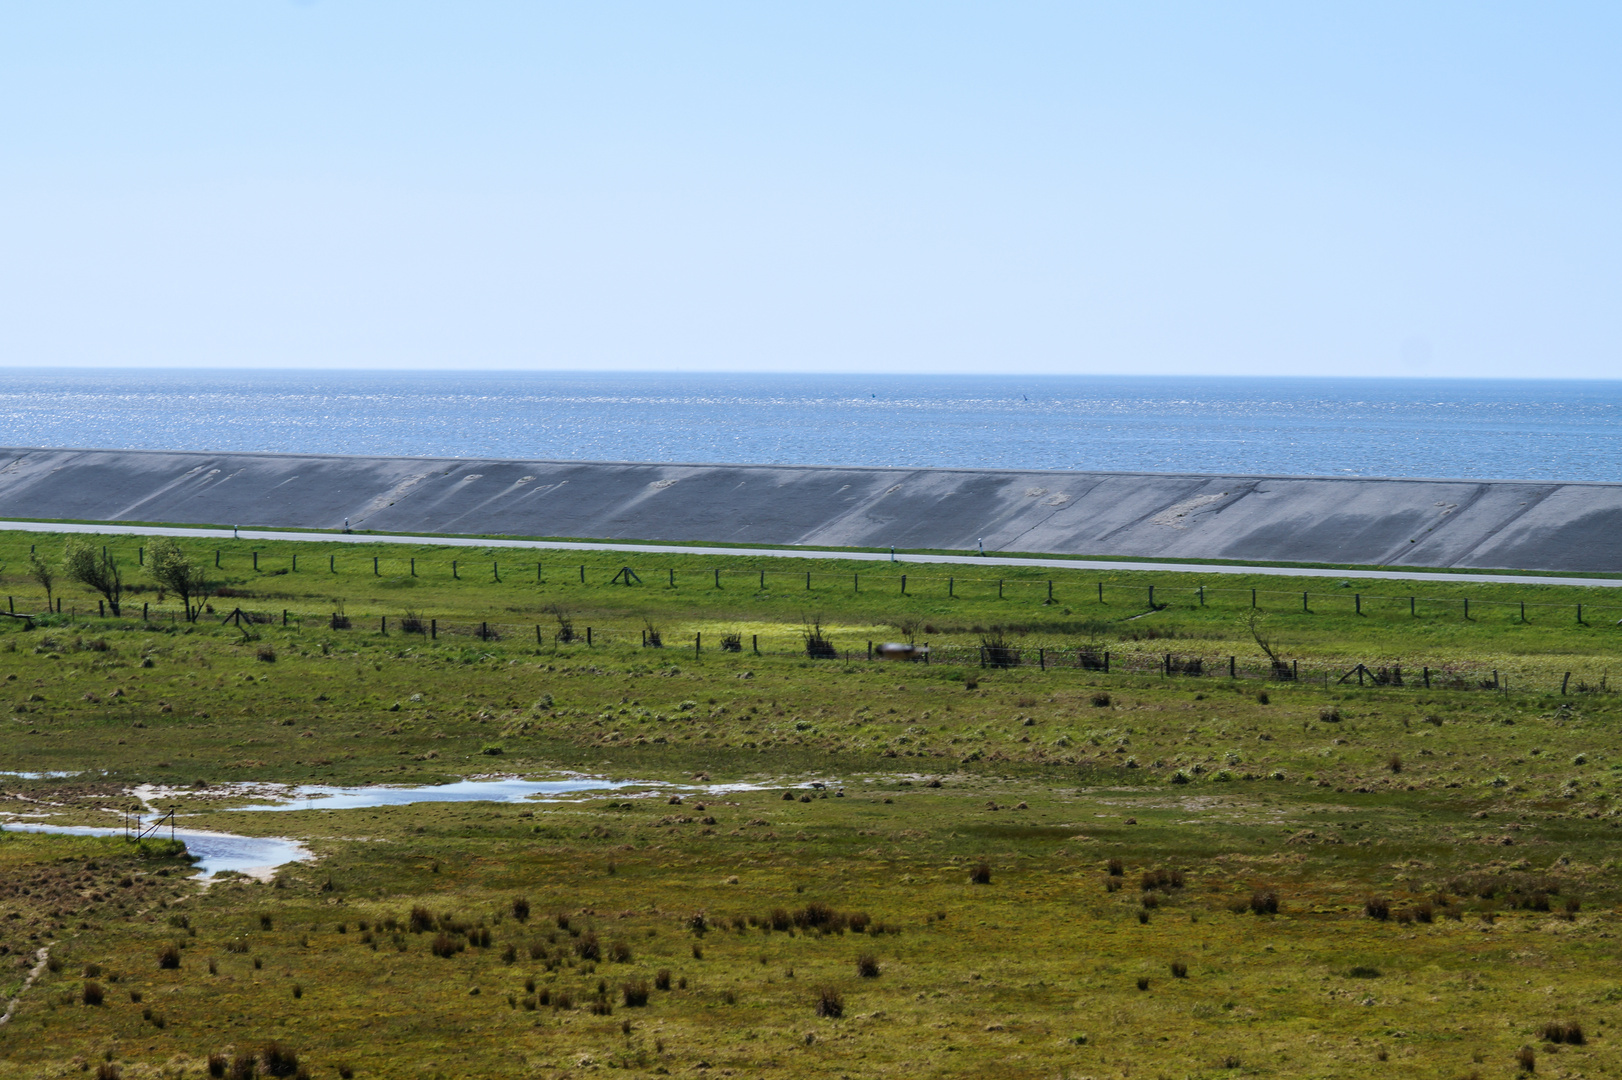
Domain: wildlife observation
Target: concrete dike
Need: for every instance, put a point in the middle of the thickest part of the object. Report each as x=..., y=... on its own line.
x=1507, y=524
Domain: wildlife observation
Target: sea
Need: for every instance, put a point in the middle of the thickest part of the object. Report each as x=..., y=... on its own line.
x=1449, y=428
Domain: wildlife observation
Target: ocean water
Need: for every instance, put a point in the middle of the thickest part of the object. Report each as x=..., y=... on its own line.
x=1482, y=429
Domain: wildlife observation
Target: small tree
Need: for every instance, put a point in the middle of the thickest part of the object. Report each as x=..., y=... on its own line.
x=94, y=570
x=41, y=572
x=173, y=569
x=1281, y=670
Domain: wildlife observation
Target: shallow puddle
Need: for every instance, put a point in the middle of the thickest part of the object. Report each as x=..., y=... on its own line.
x=214, y=851
x=317, y=797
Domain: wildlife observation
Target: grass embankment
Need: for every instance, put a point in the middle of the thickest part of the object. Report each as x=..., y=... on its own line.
x=1484, y=822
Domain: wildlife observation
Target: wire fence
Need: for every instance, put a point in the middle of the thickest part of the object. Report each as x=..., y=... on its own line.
x=904, y=580
x=993, y=653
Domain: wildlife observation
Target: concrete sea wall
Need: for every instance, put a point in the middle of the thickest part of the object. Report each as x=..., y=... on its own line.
x=1448, y=523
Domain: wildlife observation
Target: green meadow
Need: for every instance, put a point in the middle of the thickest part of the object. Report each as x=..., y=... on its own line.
x=1001, y=862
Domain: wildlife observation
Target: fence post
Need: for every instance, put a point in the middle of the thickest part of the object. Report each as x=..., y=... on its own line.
x=673, y=577
x=588, y=637
x=375, y=572
x=1411, y=611
x=1151, y=598
x=495, y=571
x=143, y=609
x=1579, y=614
x=284, y=614
x=1252, y=597
x=1050, y=590
x=1168, y=665
x=1304, y=602
x=999, y=588
x=1466, y=607
x=295, y=562
x=383, y=625
x=216, y=558
x=1100, y=592
x=870, y=650
x=856, y=582
x=538, y=635
x=433, y=629
x=256, y=561
x=1523, y=611
x=1427, y=678
x=1042, y=659
x=455, y=576
x=140, y=556
x=1358, y=597
x=1106, y=663
x=717, y=577
x=698, y=642
x=763, y=581
x=904, y=590
x=754, y=643
x=951, y=586
x=1295, y=671
x=1233, y=667
x=582, y=575
x=982, y=656
x=808, y=581
x=101, y=606
x=1202, y=596
x=1563, y=683
x=484, y=631
x=332, y=564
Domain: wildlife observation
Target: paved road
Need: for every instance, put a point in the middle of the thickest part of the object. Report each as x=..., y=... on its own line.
x=805, y=553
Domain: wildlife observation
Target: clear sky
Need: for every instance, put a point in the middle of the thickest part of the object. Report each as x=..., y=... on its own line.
x=1305, y=187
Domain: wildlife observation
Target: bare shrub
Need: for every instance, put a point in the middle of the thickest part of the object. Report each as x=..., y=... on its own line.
x=981, y=874
x=867, y=966
x=830, y=1003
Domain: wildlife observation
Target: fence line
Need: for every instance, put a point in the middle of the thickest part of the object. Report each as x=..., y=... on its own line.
x=993, y=655
x=912, y=585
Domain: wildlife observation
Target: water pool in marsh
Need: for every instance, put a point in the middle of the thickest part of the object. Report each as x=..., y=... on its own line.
x=319, y=797
x=214, y=852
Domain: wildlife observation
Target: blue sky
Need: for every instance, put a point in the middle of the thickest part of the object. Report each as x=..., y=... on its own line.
x=1215, y=188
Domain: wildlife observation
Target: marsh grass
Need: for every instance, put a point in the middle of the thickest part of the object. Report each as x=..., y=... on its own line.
x=1335, y=827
